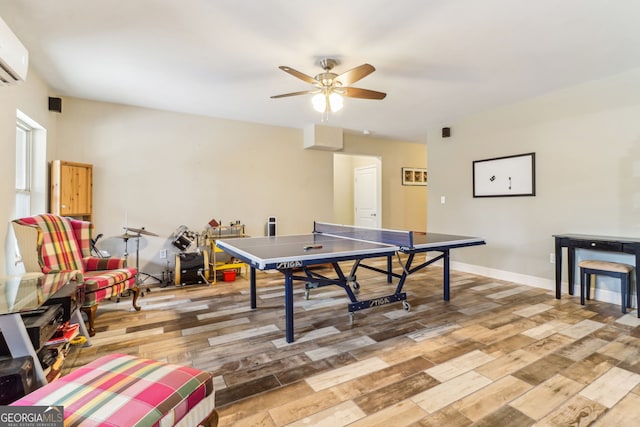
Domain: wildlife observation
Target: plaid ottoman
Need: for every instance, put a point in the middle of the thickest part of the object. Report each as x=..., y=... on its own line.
x=126, y=391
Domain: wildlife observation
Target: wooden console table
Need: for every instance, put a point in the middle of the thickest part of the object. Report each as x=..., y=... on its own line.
x=628, y=245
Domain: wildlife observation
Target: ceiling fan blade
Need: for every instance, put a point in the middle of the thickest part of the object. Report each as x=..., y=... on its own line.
x=353, y=75
x=298, y=74
x=304, y=92
x=354, y=92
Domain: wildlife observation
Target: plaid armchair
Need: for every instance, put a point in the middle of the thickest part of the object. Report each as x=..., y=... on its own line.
x=52, y=244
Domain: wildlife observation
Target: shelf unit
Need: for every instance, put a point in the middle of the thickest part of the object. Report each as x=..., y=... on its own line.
x=224, y=232
x=20, y=342
x=70, y=297
x=71, y=189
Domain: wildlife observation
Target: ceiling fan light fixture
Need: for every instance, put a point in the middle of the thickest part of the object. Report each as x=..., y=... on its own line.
x=331, y=88
x=335, y=102
x=319, y=102
x=323, y=103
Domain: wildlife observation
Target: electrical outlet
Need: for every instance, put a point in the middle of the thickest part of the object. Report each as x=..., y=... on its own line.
x=163, y=253
x=552, y=258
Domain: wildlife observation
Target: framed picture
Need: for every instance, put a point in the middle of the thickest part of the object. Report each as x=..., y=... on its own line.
x=505, y=176
x=414, y=176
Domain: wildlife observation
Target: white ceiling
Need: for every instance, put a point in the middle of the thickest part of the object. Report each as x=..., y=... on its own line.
x=437, y=60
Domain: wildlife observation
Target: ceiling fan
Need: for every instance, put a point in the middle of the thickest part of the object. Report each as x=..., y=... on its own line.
x=331, y=87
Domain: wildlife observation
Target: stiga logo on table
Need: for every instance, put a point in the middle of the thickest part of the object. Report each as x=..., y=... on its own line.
x=31, y=416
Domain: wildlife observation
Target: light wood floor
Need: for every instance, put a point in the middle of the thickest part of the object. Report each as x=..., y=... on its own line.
x=497, y=354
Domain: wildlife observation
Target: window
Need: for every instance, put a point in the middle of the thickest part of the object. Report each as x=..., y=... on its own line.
x=24, y=165
x=31, y=178
x=31, y=167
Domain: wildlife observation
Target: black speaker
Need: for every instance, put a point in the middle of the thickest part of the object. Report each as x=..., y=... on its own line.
x=55, y=104
x=17, y=379
x=271, y=226
x=446, y=132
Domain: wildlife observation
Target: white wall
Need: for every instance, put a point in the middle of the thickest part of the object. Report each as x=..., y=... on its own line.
x=160, y=170
x=587, y=145
x=343, y=189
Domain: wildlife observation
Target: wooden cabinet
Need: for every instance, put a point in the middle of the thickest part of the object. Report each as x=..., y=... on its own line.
x=72, y=189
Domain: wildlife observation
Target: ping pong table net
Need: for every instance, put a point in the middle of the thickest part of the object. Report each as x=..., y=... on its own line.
x=401, y=238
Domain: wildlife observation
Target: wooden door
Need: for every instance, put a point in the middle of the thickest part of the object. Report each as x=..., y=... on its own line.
x=366, y=197
x=72, y=189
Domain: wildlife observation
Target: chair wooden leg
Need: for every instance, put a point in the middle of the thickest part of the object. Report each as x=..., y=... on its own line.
x=91, y=317
x=624, y=290
x=136, y=293
x=583, y=279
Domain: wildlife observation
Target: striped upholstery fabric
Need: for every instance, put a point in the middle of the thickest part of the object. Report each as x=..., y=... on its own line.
x=96, y=264
x=83, y=231
x=99, y=285
x=59, y=249
x=64, y=245
x=126, y=391
x=52, y=282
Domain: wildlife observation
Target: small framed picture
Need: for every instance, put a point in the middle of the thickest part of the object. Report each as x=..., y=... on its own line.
x=414, y=176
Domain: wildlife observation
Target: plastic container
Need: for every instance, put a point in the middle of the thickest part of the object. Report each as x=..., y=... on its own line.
x=229, y=275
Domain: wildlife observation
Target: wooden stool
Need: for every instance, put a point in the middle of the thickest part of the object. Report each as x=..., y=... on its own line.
x=611, y=269
x=119, y=390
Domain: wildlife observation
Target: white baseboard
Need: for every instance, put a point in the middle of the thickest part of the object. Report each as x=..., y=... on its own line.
x=604, y=295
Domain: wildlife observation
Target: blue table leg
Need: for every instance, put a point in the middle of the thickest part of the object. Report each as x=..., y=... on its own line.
x=252, y=286
x=446, y=275
x=389, y=267
x=288, y=304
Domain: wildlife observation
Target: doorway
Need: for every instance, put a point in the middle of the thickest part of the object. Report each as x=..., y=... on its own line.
x=367, y=211
x=369, y=189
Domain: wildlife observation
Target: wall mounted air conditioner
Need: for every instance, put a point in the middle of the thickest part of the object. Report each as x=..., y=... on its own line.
x=14, y=58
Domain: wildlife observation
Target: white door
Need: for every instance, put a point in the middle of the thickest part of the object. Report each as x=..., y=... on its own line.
x=367, y=197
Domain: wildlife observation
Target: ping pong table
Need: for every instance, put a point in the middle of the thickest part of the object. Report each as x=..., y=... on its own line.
x=293, y=255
